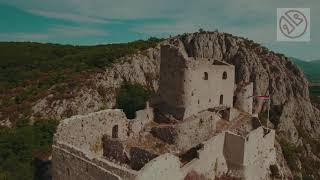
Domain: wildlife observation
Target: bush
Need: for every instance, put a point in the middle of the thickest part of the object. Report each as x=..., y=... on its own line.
x=131, y=98
x=290, y=154
x=20, y=146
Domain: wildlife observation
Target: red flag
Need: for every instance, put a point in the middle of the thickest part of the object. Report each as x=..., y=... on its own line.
x=263, y=97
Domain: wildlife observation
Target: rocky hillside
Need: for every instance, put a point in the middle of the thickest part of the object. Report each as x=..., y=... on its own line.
x=296, y=120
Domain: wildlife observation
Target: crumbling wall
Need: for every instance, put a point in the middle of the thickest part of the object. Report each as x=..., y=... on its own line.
x=211, y=162
x=143, y=117
x=258, y=142
x=259, y=152
x=196, y=129
x=85, y=132
x=164, y=167
x=80, y=137
x=190, y=132
x=72, y=164
x=244, y=97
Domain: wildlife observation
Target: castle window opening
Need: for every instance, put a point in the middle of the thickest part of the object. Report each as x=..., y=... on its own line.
x=115, y=130
x=68, y=171
x=224, y=75
x=221, y=99
x=205, y=76
x=198, y=101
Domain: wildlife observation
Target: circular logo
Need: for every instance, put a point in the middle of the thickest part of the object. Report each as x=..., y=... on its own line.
x=293, y=24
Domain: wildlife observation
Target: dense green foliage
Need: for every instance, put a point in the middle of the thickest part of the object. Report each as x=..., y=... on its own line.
x=29, y=70
x=131, y=98
x=21, y=62
x=21, y=146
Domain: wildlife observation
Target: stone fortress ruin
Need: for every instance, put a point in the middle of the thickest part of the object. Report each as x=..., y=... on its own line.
x=193, y=126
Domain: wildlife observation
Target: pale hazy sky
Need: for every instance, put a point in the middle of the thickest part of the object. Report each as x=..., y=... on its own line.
x=105, y=21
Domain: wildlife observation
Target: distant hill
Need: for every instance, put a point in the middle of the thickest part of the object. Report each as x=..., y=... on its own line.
x=310, y=68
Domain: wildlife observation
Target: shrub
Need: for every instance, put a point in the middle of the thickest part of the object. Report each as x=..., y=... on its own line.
x=290, y=154
x=19, y=148
x=131, y=98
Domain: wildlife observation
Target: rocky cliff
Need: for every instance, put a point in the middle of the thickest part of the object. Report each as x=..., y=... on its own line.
x=296, y=120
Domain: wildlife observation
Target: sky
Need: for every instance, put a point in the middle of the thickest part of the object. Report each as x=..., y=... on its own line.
x=90, y=22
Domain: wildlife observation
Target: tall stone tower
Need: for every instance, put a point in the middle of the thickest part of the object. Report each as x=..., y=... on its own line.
x=189, y=85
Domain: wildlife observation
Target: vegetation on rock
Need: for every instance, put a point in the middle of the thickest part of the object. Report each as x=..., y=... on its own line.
x=131, y=98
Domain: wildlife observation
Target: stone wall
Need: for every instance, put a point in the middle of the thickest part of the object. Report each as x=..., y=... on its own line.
x=164, y=167
x=234, y=150
x=190, y=132
x=196, y=129
x=259, y=153
x=211, y=161
x=113, y=149
x=205, y=87
x=85, y=132
x=78, y=151
x=143, y=117
x=172, y=69
x=72, y=164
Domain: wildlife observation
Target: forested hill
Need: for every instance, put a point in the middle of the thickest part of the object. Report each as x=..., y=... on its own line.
x=27, y=70
x=28, y=73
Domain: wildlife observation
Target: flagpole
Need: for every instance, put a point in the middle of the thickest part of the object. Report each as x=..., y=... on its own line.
x=268, y=111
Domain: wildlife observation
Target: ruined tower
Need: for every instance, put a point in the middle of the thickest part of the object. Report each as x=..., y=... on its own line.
x=189, y=85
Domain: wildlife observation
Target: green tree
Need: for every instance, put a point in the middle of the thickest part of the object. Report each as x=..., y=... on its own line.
x=131, y=98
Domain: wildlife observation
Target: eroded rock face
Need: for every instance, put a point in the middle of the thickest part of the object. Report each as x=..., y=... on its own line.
x=99, y=91
x=272, y=74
